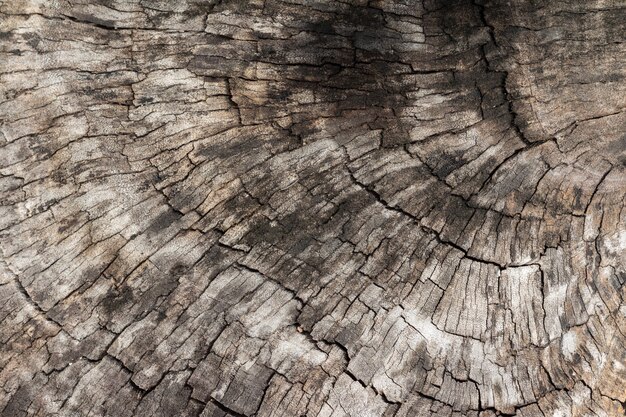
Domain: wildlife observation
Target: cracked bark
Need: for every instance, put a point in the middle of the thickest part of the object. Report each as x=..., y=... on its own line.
x=312, y=208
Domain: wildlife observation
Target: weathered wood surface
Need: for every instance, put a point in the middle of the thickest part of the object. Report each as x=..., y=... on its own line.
x=312, y=208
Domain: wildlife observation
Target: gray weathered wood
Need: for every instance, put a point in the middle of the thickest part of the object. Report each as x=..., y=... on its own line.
x=312, y=208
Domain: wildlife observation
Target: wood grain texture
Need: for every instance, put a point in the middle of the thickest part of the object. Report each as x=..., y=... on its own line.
x=312, y=208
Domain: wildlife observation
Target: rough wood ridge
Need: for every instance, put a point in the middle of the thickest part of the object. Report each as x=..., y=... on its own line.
x=312, y=208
